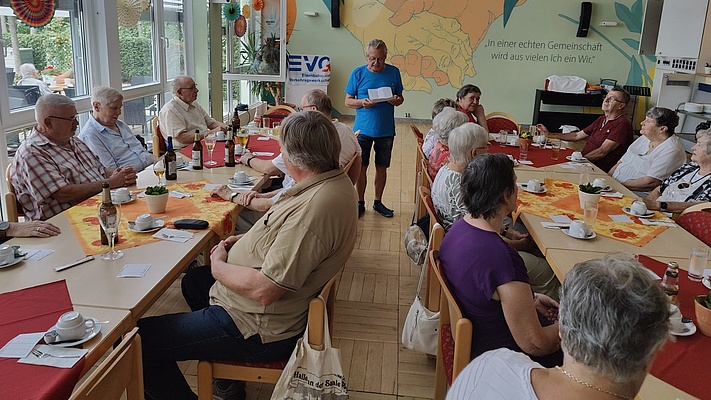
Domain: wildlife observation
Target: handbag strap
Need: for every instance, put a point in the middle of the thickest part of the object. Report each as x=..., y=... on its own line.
x=423, y=269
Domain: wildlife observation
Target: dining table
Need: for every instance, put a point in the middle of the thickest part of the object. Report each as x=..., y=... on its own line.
x=93, y=288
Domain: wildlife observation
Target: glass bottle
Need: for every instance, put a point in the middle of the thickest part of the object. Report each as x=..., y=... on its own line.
x=197, y=151
x=670, y=282
x=235, y=120
x=171, y=162
x=107, y=207
x=230, y=149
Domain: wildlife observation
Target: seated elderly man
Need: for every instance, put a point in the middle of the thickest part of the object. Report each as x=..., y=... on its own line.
x=258, y=203
x=652, y=157
x=182, y=115
x=609, y=136
x=30, y=77
x=251, y=304
x=53, y=170
x=688, y=185
x=108, y=137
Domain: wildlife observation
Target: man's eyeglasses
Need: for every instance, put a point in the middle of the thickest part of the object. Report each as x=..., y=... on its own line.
x=378, y=59
x=73, y=119
x=189, y=88
x=304, y=108
x=612, y=99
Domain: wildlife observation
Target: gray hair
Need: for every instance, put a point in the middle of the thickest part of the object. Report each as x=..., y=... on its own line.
x=464, y=139
x=178, y=83
x=613, y=316
x=445, y=121
x=310, y=141
x=440, y=104
x=702, y=133
x=105, y=95
x=377, y=44
x=319, y=99
x=664, y=117
x=27, y=70
x=47, y=103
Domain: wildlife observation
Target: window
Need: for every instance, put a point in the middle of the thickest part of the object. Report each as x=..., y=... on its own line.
x=136, y=38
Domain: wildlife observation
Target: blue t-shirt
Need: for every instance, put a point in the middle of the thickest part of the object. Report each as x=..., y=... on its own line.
x=377, y=121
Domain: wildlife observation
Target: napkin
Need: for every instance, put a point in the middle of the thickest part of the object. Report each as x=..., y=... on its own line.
x=659, y=222
x=569, y=128
x=211, y=186
x=179, y=195
x=525, y=162
x=263, y=153
x=263, y=138
x=21, y=345
x=621, y=218
x=173, y=235
x=55, y=361
x=616, y=195
x=37, y=254
x=134, y=271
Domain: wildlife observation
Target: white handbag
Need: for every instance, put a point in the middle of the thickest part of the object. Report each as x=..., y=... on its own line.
x=312, y=373
x=421, y=325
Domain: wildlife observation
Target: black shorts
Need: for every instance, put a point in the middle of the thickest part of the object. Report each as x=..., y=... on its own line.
x=383, y=149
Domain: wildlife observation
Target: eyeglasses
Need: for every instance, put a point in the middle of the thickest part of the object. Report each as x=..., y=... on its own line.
x=376, y=59
x=303, y=108
x=73, y=119
x=612, y=99
x=189, y=88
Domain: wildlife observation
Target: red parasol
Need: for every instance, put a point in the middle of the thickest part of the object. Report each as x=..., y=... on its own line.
x=33, y=12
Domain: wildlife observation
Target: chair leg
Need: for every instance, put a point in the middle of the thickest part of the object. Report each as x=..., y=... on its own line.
x=205, y=380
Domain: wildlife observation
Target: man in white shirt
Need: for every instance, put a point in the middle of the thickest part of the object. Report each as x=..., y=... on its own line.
x=182, y=116
x=30, y=77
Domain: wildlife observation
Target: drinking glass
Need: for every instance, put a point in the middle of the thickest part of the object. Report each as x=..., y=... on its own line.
x=159, y=170
x=523, y=149
x=110, y=223
x=210, y=143
x=550, y=177
x=585, y=171
x=555, y=149
x=276, y=130
x=697, y=263
x=503, y=137
x=590, y=213
x=242, y=138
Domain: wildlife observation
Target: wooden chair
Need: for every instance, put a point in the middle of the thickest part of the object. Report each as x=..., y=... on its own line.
x=426, y=178
x=697, y=221
x=499, y=120
x=436, y=235
x=268, y=372
x=121, y=371
x=14, y=209
x=419, y=137
x=418, y=159
x=275, y=115
x=455, y=335
x=351, y=174
x=159, y=144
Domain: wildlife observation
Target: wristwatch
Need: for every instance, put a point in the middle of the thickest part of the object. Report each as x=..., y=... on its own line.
x=249, y=161
x=505, y=231
x=4, y=226
x=663, y=206
x=233, y=195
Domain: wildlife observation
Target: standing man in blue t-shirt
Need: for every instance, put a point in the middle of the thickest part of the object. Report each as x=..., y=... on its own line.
x=374, y=119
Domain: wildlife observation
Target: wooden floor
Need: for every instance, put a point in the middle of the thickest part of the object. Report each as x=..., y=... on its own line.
x=375, y=291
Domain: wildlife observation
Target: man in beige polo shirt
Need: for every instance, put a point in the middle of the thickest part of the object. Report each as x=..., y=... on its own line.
x=260, y=283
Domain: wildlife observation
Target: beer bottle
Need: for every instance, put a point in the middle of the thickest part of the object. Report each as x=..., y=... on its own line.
x=230, y=149
x=670, y=282
x=107, y=208
x=235, y=120
x=197, y=151
x=170, y=161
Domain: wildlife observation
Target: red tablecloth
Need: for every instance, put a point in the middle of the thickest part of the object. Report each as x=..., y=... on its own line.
x=540, y=157
x=218, y=153
x=682, y=363
x=34, y=309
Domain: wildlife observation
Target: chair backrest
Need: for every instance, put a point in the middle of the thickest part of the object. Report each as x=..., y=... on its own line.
x=10, y=77
x=159, y=145
x=122, y=370
x=70, y=91
x=134, y=112
x=455, y=335
x=12, y=207
x=427, y=179
x=697, y=222
x=499, y=120
x=325, y=302
x=31, y=93
x=418, y=135
x=347, y=169
x=275, y=115
x=426, y=200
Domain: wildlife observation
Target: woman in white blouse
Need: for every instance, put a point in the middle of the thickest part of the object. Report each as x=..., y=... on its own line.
x=652, y=157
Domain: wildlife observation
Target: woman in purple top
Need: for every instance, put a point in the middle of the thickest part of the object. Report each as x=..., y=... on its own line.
x=488, y=277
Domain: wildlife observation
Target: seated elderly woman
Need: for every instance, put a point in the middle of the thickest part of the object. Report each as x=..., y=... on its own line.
x=468, y=98
x=654, y=155
x=442, y=124
x=688, y=185
x=488, y=277
x=600, y=361
x=30, y=77
x=466, y=142
x=431, y=137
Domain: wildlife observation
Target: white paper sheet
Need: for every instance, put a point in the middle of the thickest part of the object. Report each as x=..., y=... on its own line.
x=134, y=271
x=21, y=345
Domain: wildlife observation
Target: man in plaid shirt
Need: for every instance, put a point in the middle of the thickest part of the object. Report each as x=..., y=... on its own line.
x=53, y=170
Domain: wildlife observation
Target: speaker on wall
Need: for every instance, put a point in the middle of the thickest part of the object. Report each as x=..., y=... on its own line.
x=335, y=13
x=584, y=24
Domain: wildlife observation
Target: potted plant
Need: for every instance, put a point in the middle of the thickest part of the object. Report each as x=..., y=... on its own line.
x=707, y=69
x=588, y=193
x=702, y=305
x=524, y=141
x=156, y=199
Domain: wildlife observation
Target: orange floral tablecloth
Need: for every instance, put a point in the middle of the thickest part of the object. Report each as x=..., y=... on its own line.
x=221, y=214
x=562, y=199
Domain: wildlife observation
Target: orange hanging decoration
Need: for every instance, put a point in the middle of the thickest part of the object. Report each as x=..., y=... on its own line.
x=35, y=12
x=246, y=10
x=258, y=5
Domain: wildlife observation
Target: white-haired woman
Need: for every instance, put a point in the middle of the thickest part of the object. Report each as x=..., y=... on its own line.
x=30, y=77
x=443, y=124
x=601, y=361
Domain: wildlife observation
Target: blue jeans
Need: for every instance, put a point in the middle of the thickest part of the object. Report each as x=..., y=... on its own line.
x=206, y=334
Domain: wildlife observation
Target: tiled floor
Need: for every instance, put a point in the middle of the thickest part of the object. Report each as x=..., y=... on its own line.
x=375, y=291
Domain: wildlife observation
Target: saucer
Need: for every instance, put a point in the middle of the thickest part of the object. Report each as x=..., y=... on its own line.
x=626, y=210
x=705, y=280
x=691, y=331
x=593, y=235
x=157, y=224
x=90, y=333
x=582, y=160
x=13, y=262
x=131, y=200
x=524, y=186
x=248, y=182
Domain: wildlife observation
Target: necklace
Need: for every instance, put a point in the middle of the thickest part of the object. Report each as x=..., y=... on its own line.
x=692, y=181
x=568, y=374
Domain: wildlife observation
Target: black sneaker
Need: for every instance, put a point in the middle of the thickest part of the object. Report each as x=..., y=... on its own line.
x=225, y=389
x=361, y=208
x=382, y=210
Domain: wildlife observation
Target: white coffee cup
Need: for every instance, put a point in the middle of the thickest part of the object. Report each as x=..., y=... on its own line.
x=240, y=177
x=238, y=149
x=533, y=185
x=579, y=229
x=7, y=254
x=675, y=318
x=638, y=208
x=72, y=326
x=122, y=194
x=600, y=182
x=143, y=222
x=577, y=155
x=221, y=135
